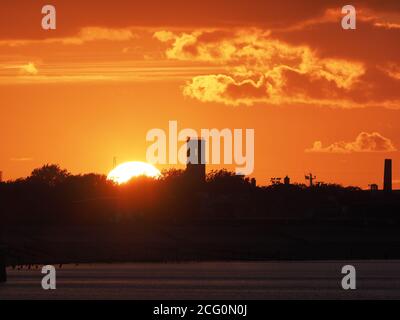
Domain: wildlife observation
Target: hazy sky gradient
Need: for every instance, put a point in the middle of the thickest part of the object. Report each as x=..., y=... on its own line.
x=320, y=98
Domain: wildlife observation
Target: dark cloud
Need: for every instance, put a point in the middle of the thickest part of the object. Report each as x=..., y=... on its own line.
x=21, y=19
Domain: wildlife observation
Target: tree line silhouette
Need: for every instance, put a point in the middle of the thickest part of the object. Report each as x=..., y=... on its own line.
x=52, y=195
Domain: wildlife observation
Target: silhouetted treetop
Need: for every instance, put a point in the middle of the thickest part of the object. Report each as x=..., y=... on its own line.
x=49, y=175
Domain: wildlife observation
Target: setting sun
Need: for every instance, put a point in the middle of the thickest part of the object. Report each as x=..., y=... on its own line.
x=128, y=170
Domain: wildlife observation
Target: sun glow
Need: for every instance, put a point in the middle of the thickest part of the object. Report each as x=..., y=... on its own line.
x=128, y=170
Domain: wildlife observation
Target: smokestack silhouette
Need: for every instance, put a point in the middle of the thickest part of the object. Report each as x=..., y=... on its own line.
x=387, y=183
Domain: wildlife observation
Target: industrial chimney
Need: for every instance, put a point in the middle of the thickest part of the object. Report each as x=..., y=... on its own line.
x=387, y=182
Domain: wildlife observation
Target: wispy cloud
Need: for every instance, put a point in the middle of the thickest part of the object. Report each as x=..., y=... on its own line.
x=29, y=68
x=392, y=70
x=334, y=15
x=132, y=71
x=22, y=69
x=23, y=159
x=86, y=34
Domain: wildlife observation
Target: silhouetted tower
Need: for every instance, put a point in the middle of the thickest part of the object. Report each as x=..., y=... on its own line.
x=253, y=182
x=114, y=162
x=387, y=180
x=373, y=187
x=286, y=180
x=196, y=161
x=311, y=178
x=1, y=176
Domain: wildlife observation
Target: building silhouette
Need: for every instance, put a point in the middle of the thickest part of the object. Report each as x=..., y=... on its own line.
x=387, y=180
x=373, y=187
x=196, y=160
x=286, y=180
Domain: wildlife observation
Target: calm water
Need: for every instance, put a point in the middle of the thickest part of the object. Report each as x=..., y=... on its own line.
x=225, y=280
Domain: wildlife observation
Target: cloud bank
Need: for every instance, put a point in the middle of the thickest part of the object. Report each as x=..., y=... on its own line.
x=365, y=142
x=262, y=69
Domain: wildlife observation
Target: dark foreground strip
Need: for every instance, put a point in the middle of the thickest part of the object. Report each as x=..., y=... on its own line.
x=199, y=309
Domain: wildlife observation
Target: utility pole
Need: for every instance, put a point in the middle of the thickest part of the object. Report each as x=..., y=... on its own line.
x=311, y=178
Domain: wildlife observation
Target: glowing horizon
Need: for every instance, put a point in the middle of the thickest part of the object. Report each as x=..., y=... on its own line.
x=127, y=171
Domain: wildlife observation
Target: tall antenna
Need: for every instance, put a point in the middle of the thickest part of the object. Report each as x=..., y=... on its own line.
x=311, y=178
x=114, y=162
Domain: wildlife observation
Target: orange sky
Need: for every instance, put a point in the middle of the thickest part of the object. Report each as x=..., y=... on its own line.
x=320, y=98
